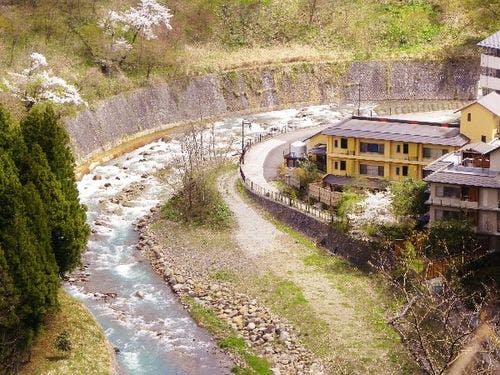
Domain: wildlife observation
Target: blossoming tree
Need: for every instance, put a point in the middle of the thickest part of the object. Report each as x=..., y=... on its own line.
x=144, y=20
x=373, y=210
x=37, y=84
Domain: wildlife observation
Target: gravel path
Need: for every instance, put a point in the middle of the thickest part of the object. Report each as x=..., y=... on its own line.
x=255, y=235
x=272, y=249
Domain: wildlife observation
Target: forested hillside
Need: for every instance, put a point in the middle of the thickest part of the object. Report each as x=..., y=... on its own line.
x=42, y=226
x=103, y=56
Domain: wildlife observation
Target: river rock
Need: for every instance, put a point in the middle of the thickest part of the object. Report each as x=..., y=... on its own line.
x=139, y=294
x=178, y=287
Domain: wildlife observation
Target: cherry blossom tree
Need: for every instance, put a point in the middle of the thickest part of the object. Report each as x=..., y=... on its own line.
x=37, y=84
x=373, y=210
x=126, y=26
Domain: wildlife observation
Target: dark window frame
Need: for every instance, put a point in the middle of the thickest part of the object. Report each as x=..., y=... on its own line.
x=373, y=148
x=343, y=143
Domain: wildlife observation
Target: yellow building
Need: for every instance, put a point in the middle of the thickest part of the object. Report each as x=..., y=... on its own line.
x=480, y=120
x=384, y=148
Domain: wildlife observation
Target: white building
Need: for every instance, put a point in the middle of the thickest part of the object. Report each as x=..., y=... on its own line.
x=489, y=79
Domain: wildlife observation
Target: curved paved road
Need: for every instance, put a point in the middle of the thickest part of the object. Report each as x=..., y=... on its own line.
x=263, y=159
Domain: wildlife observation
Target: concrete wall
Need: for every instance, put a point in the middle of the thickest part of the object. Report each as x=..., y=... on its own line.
x=129, y=115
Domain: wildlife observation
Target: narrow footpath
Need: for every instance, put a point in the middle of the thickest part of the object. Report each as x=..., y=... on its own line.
x=347, y=301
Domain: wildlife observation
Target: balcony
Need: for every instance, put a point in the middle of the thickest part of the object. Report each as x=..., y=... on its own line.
x=342, y=151
x=453, y=202
x=408, y=158
x=491, y=62
x=489, y=82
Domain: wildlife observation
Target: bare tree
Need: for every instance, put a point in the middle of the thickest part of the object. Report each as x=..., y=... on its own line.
x=439, y=318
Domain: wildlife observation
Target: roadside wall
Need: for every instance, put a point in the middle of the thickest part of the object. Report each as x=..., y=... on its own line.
x=131, y=115
x=354, y=251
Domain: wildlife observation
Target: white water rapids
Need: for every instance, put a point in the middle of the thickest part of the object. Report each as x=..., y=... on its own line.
x=140, y=314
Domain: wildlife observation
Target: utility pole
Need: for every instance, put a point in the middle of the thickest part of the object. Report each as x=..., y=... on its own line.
x=359, y=97
x=242, y=137
x=243, y=123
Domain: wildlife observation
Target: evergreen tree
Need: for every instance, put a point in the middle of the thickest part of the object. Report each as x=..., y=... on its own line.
x=68, y=222
x=9, y=321
x=26, y=255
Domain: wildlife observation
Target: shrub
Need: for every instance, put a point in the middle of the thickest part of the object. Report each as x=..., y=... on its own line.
x=63, y=342
x=450, y=237
x=198, y=202
x=408, y=198
x=348, y=200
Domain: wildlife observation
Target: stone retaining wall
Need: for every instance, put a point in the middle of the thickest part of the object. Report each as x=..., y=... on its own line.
x=135, y=114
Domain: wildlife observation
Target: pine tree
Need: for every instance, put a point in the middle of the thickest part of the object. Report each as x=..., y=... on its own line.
x=9, y=321
x=68, y=224
x=25, y=254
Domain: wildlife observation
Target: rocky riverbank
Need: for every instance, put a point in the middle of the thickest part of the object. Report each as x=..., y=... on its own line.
x=265, y=333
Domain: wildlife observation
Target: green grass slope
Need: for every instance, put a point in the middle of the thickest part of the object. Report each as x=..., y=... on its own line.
x=213, y=35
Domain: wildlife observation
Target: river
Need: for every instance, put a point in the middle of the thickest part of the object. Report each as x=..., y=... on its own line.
x=140, y=315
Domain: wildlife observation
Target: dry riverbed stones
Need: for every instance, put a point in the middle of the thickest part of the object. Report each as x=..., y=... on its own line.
x=269, y=336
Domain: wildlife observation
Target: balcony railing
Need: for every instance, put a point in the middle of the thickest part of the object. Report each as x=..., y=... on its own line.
x=491, y=62
x=489, y=82
x=453, y=202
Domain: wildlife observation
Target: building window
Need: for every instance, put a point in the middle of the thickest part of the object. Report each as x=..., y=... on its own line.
x=433, y=153
x=405, y=170
x=483, y=138
x=371, y=170
x=448, y=191
x=447, y=214
x=405, y=148
x=342, y=165
x=470, y=194
x=343, y=143
x=398, y=171
x=398, y=148
x=336, y=143
x=469, y=117
x=377, y=148
x=336, y=165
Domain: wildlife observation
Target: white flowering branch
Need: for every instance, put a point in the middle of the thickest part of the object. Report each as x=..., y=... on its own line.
x=375, y=209
x=124, y=27
x=36, y=84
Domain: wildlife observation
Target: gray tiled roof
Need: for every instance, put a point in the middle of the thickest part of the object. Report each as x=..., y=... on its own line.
x=369, y=183
x=437, y=165
x=398, y=130
x=493, y=41
x=465, y=179
x=491, y=102
x=480, y=147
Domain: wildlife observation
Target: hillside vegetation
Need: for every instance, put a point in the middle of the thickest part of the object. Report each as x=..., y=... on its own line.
x=210, y=35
